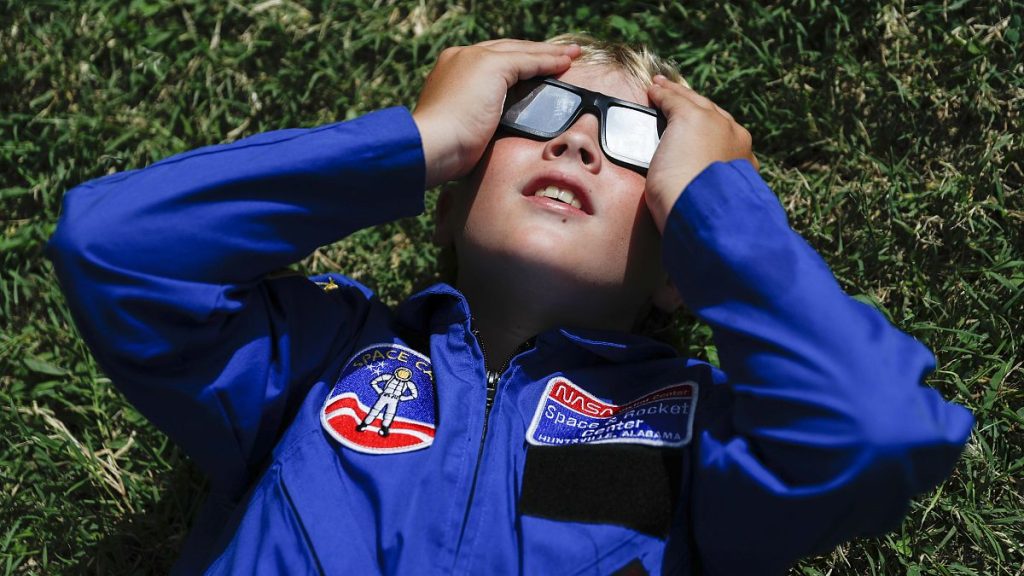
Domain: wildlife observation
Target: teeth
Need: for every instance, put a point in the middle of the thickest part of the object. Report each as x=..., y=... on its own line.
x=560, y=195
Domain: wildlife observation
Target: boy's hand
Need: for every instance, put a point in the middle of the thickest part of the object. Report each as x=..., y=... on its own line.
x=698, y=134
x=461, y=102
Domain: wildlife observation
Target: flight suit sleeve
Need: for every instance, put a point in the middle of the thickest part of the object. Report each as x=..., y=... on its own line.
x=165, y=270
x=823, y=430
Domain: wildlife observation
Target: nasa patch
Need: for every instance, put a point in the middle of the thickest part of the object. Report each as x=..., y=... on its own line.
x=383, y=402
x=567, y=414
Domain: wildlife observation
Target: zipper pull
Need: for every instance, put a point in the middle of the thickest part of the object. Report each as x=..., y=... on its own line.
x=492, y=387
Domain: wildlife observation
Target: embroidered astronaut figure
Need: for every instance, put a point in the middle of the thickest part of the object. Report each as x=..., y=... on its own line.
x=393, y=388
x=389, y=381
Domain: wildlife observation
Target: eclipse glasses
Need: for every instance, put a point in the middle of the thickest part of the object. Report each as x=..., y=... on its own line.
x=543, y=109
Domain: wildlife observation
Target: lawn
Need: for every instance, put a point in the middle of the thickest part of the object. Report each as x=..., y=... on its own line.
x=892, y=133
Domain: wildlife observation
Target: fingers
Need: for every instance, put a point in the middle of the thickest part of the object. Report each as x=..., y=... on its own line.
x=699, y=132
x=525, y=59
x=514, y=60
x=675, y=99
x=461, y=102
x=536, y=64
x=513, y=45
x=662, y=84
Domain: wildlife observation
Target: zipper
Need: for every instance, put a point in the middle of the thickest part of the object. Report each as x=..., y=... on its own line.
x=492, y=389
x=493, y=379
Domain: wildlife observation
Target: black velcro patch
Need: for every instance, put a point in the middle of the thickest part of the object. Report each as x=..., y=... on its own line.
x=625, y=484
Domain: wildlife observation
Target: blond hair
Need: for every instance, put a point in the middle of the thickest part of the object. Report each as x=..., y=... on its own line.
x=639, y=63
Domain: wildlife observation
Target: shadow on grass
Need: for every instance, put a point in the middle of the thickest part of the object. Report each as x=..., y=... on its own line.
x=149, y=541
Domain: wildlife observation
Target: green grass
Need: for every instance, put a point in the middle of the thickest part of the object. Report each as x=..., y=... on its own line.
x=892, y=133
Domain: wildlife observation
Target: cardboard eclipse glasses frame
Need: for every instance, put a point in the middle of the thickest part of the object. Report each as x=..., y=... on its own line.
x=544, y=108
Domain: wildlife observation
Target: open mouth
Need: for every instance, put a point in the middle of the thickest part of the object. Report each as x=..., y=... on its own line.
x=559, y=192
x=561, y=195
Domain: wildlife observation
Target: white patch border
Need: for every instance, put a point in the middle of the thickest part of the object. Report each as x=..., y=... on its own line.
x=538, y=414
x=365, y=449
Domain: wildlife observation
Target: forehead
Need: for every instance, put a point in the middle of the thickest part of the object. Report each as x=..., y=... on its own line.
x=607, y=80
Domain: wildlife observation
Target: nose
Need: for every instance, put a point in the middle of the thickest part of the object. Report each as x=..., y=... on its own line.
x=579, y=143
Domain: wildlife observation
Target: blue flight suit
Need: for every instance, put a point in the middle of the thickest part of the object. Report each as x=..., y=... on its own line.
x=817, y=429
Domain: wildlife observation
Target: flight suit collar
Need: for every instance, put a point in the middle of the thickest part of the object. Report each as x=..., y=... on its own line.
x=611, y=345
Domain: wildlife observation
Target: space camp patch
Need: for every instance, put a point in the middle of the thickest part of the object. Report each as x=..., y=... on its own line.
x=383, y=402
x=568, y=414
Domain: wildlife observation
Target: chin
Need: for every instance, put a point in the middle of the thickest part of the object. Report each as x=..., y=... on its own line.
x=558, y=257
x=547, y=276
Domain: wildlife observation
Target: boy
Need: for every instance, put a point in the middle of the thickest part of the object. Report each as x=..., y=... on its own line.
x=567, y=445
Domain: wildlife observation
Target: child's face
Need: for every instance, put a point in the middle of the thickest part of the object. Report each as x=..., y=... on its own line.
x=605, y=254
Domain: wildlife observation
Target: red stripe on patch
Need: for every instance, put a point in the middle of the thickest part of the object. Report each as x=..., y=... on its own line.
x=402, y=434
